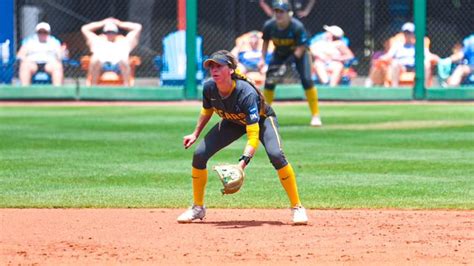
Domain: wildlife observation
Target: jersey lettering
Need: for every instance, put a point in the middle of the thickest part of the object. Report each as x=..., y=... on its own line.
x=284, y=42
x=240, y=117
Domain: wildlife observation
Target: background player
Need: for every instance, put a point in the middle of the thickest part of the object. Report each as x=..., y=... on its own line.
x=290, y=39
x=243, y=111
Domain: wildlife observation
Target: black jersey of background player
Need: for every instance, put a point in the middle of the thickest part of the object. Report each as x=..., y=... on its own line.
x=286, y=40
x=242, y=106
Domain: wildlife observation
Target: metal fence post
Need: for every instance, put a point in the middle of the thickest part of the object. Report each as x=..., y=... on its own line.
x=420, y=29
x=191, y=32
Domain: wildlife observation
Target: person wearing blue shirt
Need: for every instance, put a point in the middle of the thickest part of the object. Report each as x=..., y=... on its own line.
x=466, y=59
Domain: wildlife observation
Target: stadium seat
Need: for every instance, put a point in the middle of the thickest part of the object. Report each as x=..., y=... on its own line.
x=110, y=76
x=349, y=72
x=171, y=65
x=41, y=77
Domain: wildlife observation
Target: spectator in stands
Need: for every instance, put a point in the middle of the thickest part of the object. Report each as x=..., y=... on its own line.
x=249, y=54
x=297, y=5
x=111, y=50
x=401, y=56
x=330, y=55
x=40, y=52
x=465, y=57
x=248, y=51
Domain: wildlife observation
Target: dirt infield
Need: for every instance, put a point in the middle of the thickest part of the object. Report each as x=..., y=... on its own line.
x=230, y=236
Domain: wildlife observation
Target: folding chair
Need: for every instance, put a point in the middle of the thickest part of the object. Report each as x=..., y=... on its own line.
x=172, y=64
x=110, y=76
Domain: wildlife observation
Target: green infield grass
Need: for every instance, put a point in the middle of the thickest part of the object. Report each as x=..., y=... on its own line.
x=404, y=156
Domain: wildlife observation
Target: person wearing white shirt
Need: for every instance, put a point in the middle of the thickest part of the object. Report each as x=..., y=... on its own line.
x=41, y=51
x=111, y=49
x=402, y=56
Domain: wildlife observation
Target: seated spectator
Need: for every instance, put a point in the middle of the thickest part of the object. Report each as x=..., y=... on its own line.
x=378, y=72
x=248, y=51
x=465, y=57
x=111, y=50
x=40, y=52
x=400, y=58
x=330, y=55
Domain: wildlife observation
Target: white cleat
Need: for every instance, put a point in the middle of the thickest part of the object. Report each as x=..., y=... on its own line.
x=316, y=121
x=299, y=215
x=193, y=213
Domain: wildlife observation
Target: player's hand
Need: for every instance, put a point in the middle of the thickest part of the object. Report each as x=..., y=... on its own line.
x=189, y=140
x=242, y=165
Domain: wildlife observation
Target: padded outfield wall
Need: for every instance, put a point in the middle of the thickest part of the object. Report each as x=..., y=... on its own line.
x=365, y=22
x=172, y=93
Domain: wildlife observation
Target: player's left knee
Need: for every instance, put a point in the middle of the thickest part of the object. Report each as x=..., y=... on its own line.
x=200, y=158
x=278, y=159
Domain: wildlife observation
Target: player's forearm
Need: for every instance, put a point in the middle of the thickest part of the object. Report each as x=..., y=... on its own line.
x=299, y=51
x=201, y=123
x=253, y=132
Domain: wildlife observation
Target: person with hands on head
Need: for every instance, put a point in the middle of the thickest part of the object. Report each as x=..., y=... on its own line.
x=111, y=49
x=291, y=46
x=243, y=110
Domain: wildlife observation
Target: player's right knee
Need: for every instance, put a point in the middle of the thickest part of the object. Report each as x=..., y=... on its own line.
x=200, y=159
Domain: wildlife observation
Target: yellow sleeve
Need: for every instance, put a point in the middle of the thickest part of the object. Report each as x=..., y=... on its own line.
x=207, y=112
x=253, y=132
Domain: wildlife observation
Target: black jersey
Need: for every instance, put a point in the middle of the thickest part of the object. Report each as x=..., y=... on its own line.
x=242, y=106
x=285, y=40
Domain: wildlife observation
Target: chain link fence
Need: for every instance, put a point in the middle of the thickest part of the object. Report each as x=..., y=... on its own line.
x=366, y=23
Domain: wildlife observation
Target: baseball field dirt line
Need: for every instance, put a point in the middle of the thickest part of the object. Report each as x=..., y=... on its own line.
x=235, y=236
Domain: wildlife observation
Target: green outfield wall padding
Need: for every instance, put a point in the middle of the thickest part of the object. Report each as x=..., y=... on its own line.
x=345, y=93
x=164, y=93
x=171, y=93
x=296, y=92
x=40, y=92
x=463, y=93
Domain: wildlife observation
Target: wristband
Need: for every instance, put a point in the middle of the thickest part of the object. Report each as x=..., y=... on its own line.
x=245, y=158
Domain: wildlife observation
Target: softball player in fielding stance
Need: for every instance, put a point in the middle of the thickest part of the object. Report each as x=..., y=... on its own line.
x=290, y=39
x=243, y=111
